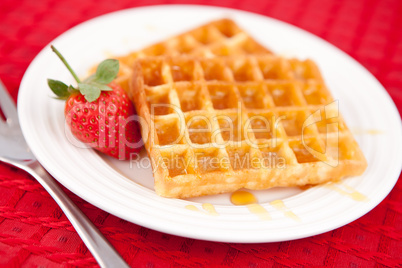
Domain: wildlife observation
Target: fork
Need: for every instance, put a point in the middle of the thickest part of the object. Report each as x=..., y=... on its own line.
x=15, y=151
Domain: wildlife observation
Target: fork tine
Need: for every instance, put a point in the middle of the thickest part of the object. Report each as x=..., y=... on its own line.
x=8, y=106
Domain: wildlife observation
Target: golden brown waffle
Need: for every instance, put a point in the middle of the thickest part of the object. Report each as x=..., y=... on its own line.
x=250, y=122
x=217, y=38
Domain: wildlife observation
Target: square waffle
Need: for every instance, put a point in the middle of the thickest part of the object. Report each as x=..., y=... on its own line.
x=217, y=38
x=215, y=125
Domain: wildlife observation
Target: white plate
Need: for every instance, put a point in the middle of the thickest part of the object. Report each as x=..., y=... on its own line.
x=127, y=191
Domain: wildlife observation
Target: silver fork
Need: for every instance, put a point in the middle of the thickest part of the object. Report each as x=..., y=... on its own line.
x=15, y=151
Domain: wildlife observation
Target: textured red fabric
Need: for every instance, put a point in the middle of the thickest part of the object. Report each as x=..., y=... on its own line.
x=34, y=232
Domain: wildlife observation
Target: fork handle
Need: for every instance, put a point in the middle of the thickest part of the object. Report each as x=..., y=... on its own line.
x=98, y=245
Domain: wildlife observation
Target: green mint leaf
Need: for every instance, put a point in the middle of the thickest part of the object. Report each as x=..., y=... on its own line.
x=90, y=92
x=59, y=88
x=100, y=86
x=107, y=71
x=89, y=79
x=58, y=98
x=71, y=89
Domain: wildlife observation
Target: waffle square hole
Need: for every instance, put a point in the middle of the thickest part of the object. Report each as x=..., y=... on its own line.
x=304, y=152
x=304, y=70
x=190, y=97
x=249, y=46
x=227, y=27
x=223, y=96
x=283, y=95
x=168, y=131
x=184, y=44
x=270, y=69
x=231, y=128
x=199, y=129
x=214, y=71
x=273, y=157
x=241, y=157
x=182, y=70
x=252, y=96
x=205, y=35
x=155, y=50
x=293, y=123
x=330, y=121
x=152, y=73
x=224, y=50
x=177, y=163
x=227, y=50
x=242, y=71
x=158, y=103
x=315, y=94
x=210, y=160
x=263, y=125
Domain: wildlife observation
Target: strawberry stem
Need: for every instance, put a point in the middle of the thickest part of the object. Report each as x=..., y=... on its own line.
x=65, y=63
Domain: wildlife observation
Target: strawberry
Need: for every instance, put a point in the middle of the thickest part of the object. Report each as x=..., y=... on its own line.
x=99, y=112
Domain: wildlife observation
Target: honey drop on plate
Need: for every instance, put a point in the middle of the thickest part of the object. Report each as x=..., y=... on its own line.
x=244, y=198
x=241, y=198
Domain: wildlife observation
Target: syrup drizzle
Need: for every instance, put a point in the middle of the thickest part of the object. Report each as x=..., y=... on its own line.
x=358, y=131
x=244, y=198
x=210, y=209
x=241, y=198
x=207, y=209
x=347, y=191
x=260, y=211
x=279, y=205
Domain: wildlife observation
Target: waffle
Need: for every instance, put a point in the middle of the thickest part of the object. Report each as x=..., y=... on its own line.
x=215, y=125
x=217, y=38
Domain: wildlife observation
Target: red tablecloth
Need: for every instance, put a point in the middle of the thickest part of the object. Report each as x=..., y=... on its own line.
x=34, y=231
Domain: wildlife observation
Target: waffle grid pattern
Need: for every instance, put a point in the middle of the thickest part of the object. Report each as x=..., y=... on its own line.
x=249, y=111
x=217, y=38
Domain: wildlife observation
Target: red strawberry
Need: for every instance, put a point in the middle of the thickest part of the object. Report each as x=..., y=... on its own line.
x=99, y=112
